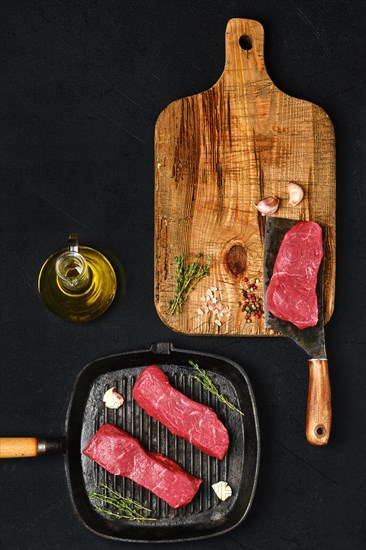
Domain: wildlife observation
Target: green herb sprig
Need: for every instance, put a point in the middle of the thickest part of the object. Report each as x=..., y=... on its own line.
x=188, y=276
x=129, y=508
x=207, y=383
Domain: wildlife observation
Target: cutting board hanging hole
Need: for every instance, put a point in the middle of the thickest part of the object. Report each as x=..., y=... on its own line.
x=245, y=42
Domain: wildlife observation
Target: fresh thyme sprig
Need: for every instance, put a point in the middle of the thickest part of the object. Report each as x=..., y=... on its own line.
x=187, y=278
x=207, y=383
x=128, y=507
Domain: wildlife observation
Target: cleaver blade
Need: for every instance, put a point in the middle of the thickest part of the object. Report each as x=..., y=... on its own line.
x=312, y=339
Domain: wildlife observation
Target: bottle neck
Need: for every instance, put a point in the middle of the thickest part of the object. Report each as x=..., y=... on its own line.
x=72, y=272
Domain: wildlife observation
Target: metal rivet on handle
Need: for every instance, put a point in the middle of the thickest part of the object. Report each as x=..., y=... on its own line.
x=320, y=430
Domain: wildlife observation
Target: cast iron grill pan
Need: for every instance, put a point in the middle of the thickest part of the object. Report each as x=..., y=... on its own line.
x=206, y=515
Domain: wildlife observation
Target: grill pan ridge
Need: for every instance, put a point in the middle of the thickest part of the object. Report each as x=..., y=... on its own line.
x=206, y=515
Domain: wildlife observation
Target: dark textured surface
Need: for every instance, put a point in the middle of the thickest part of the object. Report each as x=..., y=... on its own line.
x=82, y=83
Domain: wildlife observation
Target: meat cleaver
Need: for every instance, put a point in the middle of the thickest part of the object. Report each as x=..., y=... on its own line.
x=312, y=340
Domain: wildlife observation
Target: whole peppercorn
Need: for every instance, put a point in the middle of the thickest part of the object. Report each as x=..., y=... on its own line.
x=252, y=303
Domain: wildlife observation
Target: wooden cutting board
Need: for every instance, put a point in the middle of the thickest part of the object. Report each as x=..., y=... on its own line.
x=217, y=154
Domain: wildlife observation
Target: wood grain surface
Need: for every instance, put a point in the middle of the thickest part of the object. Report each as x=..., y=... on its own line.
x=217, y=154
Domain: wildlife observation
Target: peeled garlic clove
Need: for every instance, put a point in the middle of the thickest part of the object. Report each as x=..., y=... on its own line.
x=268, y=206
x=222, y=489
x=296, y=193
x=112, y=399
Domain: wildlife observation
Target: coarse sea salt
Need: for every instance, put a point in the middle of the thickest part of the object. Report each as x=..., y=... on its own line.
x=211, y=304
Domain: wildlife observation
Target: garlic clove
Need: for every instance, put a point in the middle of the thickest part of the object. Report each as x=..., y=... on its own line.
x=268, y=206
x=222, y=490
x=296, y=193
x=112, y=399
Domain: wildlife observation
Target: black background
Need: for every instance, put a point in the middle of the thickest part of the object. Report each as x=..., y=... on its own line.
x=82, y=84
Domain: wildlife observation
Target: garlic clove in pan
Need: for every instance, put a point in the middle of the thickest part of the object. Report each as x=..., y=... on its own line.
x=112, y=399
x=222, y=490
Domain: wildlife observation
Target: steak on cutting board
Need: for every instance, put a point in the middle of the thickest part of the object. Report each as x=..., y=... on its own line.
x=291, y=293
x=122, y=454
x=184, y=417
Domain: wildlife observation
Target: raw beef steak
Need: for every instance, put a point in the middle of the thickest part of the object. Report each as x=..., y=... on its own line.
x=184, y=417
x=123, y=455
x=291, y=293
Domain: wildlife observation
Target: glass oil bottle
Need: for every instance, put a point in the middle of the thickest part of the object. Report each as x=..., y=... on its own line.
x=77, y=283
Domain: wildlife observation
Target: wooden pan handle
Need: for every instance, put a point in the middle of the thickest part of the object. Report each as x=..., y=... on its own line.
x=319, y=410
x=18, y=447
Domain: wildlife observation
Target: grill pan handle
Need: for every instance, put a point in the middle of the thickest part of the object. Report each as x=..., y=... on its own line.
x=162, y=348
x=319, y=409
x=23, y=447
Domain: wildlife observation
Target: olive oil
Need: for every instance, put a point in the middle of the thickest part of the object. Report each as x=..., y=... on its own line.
x=77, y=283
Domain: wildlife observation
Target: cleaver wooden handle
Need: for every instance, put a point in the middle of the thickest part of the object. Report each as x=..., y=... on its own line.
x=319, y=410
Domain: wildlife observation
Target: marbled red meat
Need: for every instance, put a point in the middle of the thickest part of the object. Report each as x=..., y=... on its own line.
x=122, y=454
x=184, y=417
x=291, y=293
